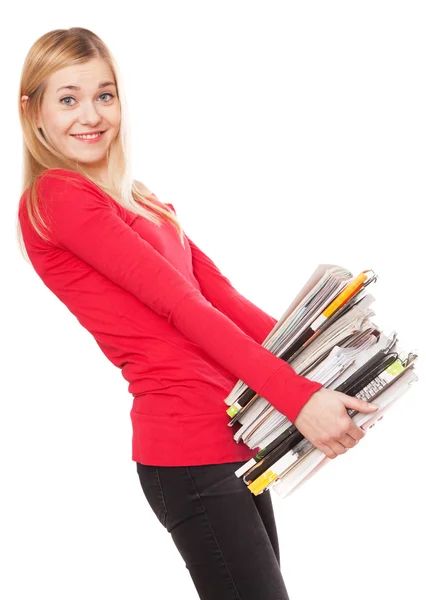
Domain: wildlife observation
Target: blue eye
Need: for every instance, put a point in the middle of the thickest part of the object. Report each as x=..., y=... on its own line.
x=107, y=94
x=66, y=98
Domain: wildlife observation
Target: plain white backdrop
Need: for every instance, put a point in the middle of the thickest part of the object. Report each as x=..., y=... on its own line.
x=285, y=135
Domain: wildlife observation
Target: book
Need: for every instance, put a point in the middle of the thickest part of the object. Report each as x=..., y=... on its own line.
x=327, y=335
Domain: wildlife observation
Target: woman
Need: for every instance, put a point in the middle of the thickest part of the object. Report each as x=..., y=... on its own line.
x=162, y=312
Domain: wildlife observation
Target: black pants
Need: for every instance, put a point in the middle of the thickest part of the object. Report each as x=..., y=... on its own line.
x=226, y=535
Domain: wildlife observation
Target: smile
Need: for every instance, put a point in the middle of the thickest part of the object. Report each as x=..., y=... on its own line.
x=88, y=138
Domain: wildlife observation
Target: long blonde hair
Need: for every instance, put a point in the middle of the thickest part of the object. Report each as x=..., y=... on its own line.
x=53, y=51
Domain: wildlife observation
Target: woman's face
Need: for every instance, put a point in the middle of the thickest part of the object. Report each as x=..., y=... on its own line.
x=67, y=111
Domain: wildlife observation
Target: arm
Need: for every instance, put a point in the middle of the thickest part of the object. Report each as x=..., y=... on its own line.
x=84, y=222
x=220, y=292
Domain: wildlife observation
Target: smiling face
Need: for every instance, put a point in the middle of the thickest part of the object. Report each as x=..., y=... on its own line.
x=93, y=107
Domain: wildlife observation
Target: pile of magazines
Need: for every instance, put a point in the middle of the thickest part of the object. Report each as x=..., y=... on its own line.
x=326, y=335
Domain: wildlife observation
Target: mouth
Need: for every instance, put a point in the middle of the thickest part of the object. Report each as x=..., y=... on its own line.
x=89, y=138
x=89, y=135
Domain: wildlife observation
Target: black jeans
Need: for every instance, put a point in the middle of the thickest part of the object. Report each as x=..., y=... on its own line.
x=226, y=535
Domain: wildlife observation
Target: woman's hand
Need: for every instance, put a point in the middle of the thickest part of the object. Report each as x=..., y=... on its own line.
x=324, y=421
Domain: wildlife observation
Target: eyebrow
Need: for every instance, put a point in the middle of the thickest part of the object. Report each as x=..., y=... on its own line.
x=76, y=87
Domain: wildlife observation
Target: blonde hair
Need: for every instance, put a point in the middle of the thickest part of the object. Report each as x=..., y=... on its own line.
x=53, y=51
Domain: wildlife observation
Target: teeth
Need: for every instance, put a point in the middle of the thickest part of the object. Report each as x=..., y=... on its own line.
x=88, y=137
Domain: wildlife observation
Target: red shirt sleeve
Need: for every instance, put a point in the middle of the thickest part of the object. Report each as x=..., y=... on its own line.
x=218, y=290
x=83, y=220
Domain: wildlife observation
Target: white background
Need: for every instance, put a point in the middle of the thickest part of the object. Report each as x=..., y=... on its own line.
x=285, y=135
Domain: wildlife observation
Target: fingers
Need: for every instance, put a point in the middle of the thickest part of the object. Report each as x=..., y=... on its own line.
x=336, y=447
x=348, y=441
x=326, y=450
x=355, y=432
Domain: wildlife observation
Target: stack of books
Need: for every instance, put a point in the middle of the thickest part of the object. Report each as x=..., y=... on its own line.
x=326, y=335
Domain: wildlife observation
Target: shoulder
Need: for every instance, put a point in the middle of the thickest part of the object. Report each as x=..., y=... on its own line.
x=59, y=187
x=66, y=198
x=61, y=179
x=56, y=187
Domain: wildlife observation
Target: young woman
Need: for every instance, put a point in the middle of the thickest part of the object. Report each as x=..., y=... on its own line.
x=162, y=312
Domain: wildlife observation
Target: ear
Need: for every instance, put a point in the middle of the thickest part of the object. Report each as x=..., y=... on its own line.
x=24, y=104
x=24, y=100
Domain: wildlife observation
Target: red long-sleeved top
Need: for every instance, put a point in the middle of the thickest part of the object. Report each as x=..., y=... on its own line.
x=165, y=315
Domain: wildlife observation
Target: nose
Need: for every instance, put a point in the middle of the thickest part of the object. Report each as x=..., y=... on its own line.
x=89, y=115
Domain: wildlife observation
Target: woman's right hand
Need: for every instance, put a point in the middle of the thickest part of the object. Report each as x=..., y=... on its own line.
x=324, y=421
